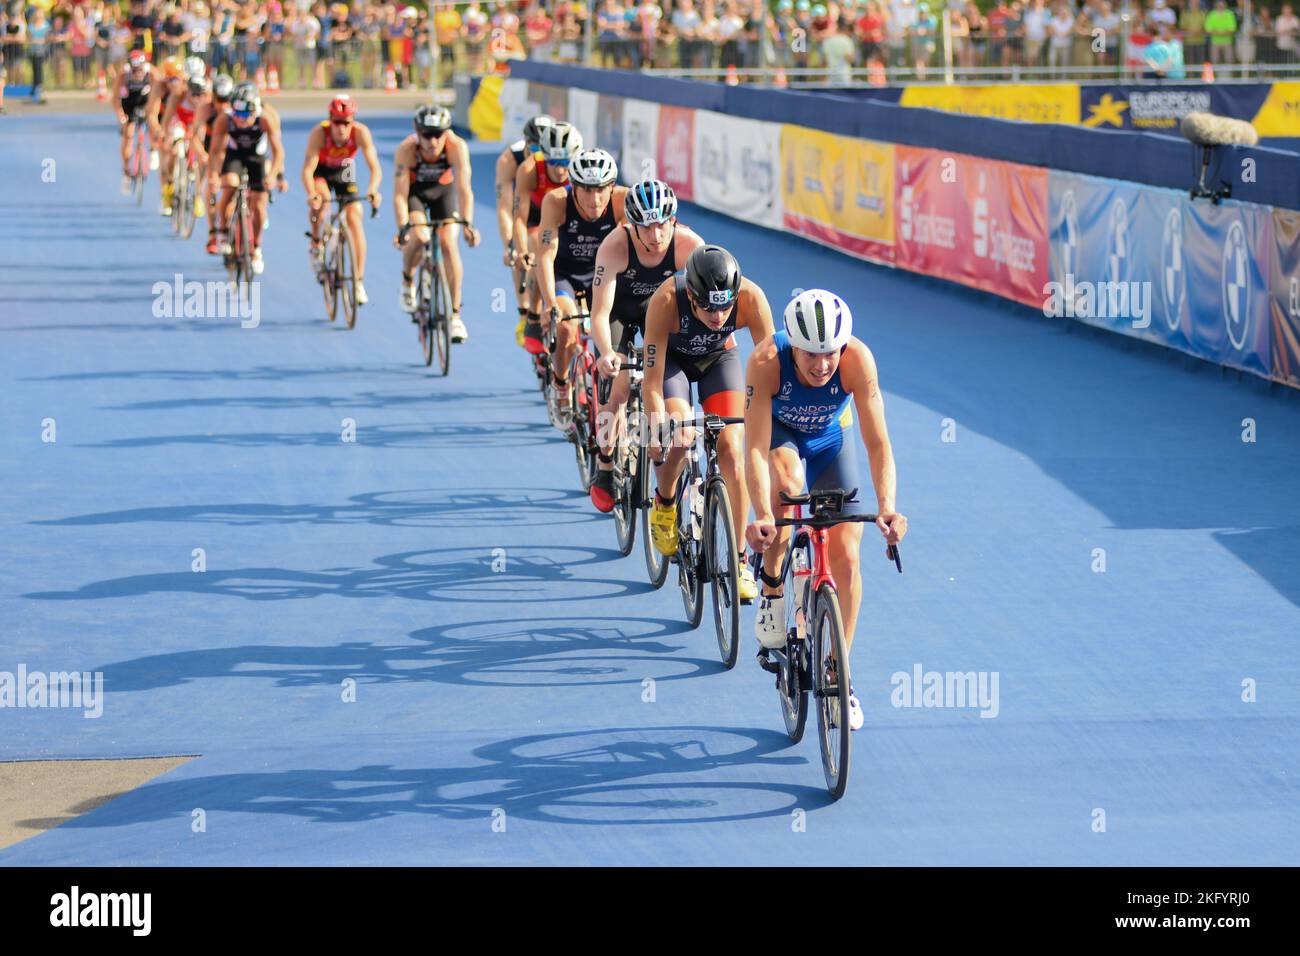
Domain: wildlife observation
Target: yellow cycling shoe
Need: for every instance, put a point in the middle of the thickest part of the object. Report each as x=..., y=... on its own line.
x=746, y=585
x=167, y=193
x=663, y=528
x=519, y=332
x=200, y=207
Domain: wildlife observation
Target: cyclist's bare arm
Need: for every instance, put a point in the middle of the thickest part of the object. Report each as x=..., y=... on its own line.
x=201, y=114
x=548, y=233
x=619, y=198
x=458, y=155
x=217, y=155
x=277, y=145
x=754, y=312
x=858, y=375
x=367, y=144
x=761, y=378
x=402, y=184
x=310, y=158
x=611, y=260
x=686, y=241
x=525, y=183
x=505, y=188
x=660, y=320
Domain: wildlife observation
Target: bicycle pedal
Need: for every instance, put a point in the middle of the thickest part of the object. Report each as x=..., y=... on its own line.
x=766, y=662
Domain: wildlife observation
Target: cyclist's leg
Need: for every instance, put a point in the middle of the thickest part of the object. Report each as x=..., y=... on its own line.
x=721, y=391
x=416, y=237
x=835, y=465
x=128, y=137
x=230, y=170
x=356, y=237
x=317, y=218
x=785, y=474
x=677, y=404
x=257, y=191
x=566, y=336
x=608, y=416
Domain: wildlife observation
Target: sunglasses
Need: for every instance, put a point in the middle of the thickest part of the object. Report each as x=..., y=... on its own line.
x=242, y=114
x=340, y=122
x=432, y=134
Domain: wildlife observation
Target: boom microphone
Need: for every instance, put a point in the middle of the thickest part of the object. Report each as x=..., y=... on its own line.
x=1207, y=132
x=1206, y=129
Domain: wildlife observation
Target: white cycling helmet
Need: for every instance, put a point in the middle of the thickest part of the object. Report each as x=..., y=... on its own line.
x=560, y=143
x=818, y=321
x=594, y=168
x=650, y=201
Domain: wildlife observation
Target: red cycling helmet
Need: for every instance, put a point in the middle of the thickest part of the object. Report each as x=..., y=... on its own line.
x=343, y=107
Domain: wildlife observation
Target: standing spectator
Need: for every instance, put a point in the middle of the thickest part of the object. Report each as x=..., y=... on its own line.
x=1015, y=34
x=995, y=24
x=324, y=46
x=730, y=26
x=38, y=48
x=223, y=36
x=539, y=29
x=1061, y=32
x=369, y=33
x=1221, y=25
x=305, y=31
x=273, y=37
x=1192, y=24
x=81, y=39
x=199, y=27
x=476, y=36
x=1035, y=27
x=104, y=30
x=423, y=56
x=1160, y=15
x=1107, y=20
x=707, y=50
x=171, y=34
x=1287, y=26
x=611, y=25
x=446, y=26
x=341, y=46
x=902, y=18
x=979, y=33
x=870, y=31
x=569, y=32
x=686, y=27
x=959, y=32
x=925, y=37
x=838, y=54
x=1164, y=56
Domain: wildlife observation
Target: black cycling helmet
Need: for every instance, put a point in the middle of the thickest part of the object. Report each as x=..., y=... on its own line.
x=533, y=129
x=432, y=120
x=713, y=278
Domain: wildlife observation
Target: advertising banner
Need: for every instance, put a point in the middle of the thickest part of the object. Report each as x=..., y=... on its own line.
x=1117, y=258
x=581, y=113
x=737, y=168
x=640, y=140
x=976, y=221
x=839, y=191
x=1161, y=108
x=1045, y=103
x=609, y=130
x=1285, y=300
x=550, y=99
x=1227, y=249
x=676, y=145
x=516, y=108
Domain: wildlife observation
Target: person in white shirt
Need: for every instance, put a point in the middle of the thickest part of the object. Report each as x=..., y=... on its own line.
x=1035, y=26
x=1160, y=14
x=1061, y=30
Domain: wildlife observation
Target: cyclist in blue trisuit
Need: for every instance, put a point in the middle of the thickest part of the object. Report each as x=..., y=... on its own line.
x=797, y=390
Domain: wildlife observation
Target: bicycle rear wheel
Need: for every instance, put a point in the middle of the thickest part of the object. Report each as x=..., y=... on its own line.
x=626, y=488
x=584, y=433
x=141, y=168
x=832, y=691
x=721, y=563
x=328, y=280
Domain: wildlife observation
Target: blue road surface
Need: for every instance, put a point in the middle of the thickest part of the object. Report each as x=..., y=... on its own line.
x=522, y=695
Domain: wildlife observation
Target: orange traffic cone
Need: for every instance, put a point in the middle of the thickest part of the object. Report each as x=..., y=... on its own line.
x=273, y=80
x=732, y=79
x=101, y=88
x=260, y=76
x=779, y=81
x=390, y=79
x=1207, y=73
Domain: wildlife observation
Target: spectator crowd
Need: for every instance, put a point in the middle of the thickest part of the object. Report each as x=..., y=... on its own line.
x=311, y=43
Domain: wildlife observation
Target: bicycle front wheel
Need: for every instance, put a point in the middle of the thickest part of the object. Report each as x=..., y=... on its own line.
x=188, y=189
x=831, y=660
x=721, y=562
x=690, y=554
x=627, y=487
x=347, y=279
x=442, y=327
x=793, y=679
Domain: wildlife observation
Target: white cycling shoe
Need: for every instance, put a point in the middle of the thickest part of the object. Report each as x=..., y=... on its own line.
x=458, y=330
x=153, y=160
x=362, y=298
x=855, y=711
x=127, y=184
x=769, y=622
x=258, y=264
x=408, y=298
